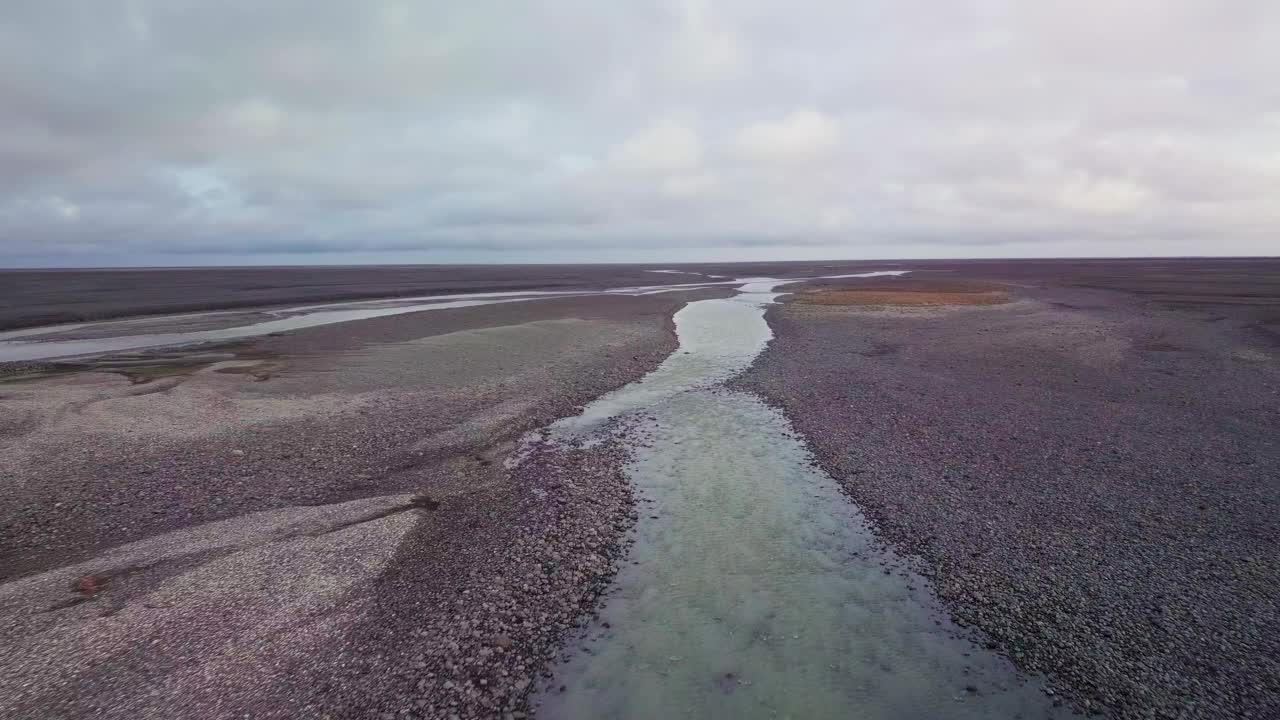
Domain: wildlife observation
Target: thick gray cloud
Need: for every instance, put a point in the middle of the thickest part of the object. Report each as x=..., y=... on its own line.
x=184, y=131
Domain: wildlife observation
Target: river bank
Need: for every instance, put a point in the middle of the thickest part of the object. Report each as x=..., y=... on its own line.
x=331, y=521
x=334, y=499
x=1089, y=475
x=755, y=589
x=30, y=298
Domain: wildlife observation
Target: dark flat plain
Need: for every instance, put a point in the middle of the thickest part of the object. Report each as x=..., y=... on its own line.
x=45, y=297
x=31, y=298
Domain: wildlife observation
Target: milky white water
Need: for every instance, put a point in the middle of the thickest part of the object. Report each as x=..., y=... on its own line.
x=755, y=589
x=40, y=350
x=26, y=344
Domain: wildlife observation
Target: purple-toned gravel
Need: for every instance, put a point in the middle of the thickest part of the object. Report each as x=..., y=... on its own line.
x=1091, y=480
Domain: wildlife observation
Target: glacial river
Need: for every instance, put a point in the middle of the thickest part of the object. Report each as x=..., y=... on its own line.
x=81, y=340
x=755, y=588
x=128, y=335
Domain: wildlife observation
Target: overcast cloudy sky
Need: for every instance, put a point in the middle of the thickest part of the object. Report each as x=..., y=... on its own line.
x=297, y=131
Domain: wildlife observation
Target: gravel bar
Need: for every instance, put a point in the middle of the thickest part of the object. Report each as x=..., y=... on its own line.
x=1090, y=479
x=321, y=523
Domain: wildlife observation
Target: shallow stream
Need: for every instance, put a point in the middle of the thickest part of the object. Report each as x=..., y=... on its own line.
x=114, y=336
x=755, y=588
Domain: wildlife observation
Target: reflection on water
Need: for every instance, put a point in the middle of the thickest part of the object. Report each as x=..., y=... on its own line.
x=755, y=589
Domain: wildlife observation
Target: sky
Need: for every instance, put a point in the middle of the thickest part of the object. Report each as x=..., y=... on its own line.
x=188, y=132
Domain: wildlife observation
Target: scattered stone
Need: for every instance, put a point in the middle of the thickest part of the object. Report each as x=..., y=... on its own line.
x=1102, y=513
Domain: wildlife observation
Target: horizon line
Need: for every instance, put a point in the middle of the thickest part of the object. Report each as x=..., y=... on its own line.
x=81, y=268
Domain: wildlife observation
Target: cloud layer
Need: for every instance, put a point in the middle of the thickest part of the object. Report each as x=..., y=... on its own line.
x=185, y=132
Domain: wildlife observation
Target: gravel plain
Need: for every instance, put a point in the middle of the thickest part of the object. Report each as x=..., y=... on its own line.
x=30, y=298
x=1091, y=476
x=320, y=522
x=323, y=523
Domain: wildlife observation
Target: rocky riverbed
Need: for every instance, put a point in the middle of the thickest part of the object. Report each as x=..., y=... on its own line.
x=1090, y=478
x=1080, y=455
x=320, y=522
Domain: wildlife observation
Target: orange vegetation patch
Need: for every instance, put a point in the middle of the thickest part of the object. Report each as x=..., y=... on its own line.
x=901, y=298
x=90, y=585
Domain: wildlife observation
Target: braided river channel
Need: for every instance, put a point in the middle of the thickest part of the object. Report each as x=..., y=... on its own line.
x=755, y=588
